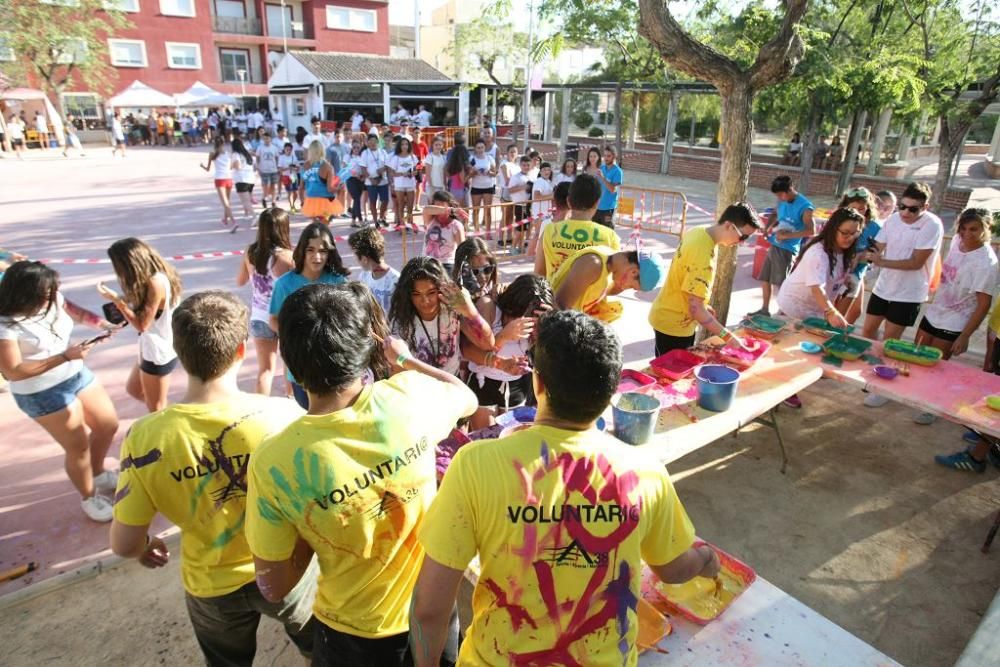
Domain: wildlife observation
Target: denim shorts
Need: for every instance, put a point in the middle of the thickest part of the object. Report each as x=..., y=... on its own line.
x=378, y=193
x=54, y=399
x=261, y=329
x=269, y=179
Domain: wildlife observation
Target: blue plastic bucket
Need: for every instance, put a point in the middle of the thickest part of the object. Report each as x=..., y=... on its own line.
x=716, y=386
x=635, y=416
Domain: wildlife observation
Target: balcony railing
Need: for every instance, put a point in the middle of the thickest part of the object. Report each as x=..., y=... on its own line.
x=236, y=25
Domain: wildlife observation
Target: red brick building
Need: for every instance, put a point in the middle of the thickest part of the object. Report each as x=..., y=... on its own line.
x=232, y=45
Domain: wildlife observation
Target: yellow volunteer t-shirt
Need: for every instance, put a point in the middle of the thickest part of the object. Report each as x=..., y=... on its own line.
x=355, y=484
x=692, y=271
x=189, y=463
x=561, y=521
x=593, y=301
x=994, y=321
x=562, y=239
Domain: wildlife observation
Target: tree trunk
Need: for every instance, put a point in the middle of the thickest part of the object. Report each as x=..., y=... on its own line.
x=809, y=147
x=734, y=177
x=618, y=125
x=951, y=140
x=851, y=152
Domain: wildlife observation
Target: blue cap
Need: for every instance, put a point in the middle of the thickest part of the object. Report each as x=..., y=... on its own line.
x=652, y=271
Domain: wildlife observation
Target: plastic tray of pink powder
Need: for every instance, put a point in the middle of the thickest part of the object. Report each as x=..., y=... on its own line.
x=632, y=380
x=744, y=359
x=675, y=364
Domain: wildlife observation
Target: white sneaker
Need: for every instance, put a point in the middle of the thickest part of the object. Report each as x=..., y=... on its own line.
x=875, y=401
x=107, y=481
x=97, y=508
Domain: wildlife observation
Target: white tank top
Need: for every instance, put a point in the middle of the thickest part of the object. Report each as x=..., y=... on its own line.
x=156, y=344
x=223, y=166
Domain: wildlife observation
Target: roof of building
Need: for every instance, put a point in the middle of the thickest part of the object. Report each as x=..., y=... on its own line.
x=344, y=67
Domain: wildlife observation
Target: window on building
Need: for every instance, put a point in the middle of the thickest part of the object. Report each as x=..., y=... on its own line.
x=177, y=7
x=61, y=3
x=127, y=52
x=82, y=105
x=347, y=18
x=233, y=61
x=6, y=52
x=231, y=8
x=122, y=5
x=183, y=56
x=72, y=51
x=279, y=17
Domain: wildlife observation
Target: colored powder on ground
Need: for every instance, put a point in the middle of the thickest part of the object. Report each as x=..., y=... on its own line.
x=698, y=595
x=832, y=360
x=872, y=360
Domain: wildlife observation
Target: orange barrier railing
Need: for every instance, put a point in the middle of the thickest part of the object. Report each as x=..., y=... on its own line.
x=651, y=209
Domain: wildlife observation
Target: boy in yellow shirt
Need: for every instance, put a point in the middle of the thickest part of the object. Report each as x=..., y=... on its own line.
x=560, y=239
x=352, y=479
x=562, y=516
x=189, y=463
x=590, y=275
x=682, y=303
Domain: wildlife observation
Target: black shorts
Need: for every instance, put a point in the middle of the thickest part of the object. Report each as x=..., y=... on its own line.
x=484, y=191
x=605, y=216
x=943, y=334
x=665, y=343
x=17, y=142
x=900, y=313
x=158, y=370
x=333, y=648
x=244, y=187
x=492, y=391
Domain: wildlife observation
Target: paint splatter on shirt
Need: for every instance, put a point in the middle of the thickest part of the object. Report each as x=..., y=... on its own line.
x=355, y=484
x=189, y=463
x=561, y=521
x=692, y=272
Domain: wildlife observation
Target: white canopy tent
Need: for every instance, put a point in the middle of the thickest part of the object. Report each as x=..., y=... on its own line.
x=200, y=95
x=16, y=99
x=139, y=95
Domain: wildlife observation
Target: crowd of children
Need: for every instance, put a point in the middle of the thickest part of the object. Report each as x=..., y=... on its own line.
x=325, y=512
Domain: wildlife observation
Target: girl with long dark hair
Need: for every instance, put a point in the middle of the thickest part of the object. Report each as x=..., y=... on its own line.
x=456, y=170
x=316, y=260
x=476, y=269
x=850, y=302
x=819, y=273
x=501, y=377
x=223, y=174
x=431, y=313
x=51, y=384
x=266, y=259
x=243, y=174
x=151, y=289
x=403, y=168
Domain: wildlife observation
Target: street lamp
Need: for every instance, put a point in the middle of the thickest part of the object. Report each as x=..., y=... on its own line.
x=242, y=75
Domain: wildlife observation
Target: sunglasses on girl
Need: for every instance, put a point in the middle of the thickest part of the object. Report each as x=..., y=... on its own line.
x=912, y=209
x=482, y=270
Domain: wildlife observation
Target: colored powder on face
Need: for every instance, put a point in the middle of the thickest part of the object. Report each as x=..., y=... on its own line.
x=698, y=595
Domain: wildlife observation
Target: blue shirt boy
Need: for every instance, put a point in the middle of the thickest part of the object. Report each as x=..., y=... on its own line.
x=609, y=199
x=790, y=214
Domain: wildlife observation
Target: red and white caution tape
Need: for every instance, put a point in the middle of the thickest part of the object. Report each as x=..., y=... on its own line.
x=176, y=258
x=700, y=209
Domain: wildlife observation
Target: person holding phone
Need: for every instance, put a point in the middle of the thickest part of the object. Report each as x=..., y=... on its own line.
x=151, y=291
x=50, y=382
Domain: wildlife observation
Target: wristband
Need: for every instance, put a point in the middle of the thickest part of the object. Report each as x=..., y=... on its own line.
x=402, y=359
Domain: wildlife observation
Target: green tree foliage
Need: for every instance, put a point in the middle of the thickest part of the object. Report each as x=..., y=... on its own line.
x=484, y=49
x=57, y=42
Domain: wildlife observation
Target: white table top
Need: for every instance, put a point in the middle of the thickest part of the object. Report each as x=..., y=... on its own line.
x=764, y=626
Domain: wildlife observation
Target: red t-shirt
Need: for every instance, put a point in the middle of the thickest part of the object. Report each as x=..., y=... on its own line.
x=420, y=150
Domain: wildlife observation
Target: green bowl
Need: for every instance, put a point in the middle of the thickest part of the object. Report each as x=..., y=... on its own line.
x=901, y=350
x=993, y=402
